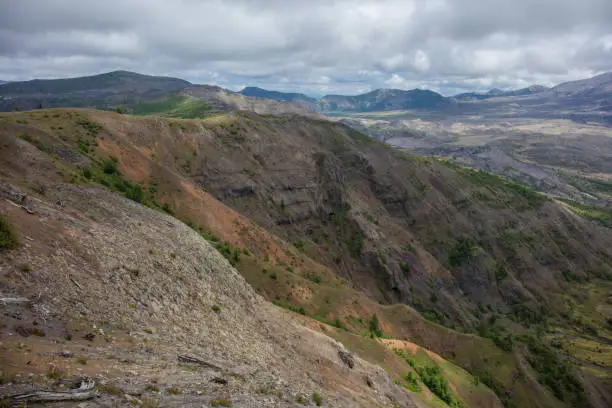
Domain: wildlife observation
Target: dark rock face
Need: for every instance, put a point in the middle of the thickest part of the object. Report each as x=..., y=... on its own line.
x=347, y=358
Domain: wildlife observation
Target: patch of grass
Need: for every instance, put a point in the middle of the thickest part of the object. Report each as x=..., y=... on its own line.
x=229, y=252
x=152, y=387
x=150, y=403
x=355, y=244
x=107, y=173
x=175, y=106
x=30, y=331
x=553, y=372
x=8, y=236
x=317, y=399
x=6, y=378
x=601, y=215
x=174, y=391
x=370, y=218
x=34, y=142
x=293, y=308
x=54, y=373
x=509, y=192
x=216, y=308
x=82, y=360
x=92, y=128
x=313, y=277
x=25, y=267
x=220, y=403
x=110, y=389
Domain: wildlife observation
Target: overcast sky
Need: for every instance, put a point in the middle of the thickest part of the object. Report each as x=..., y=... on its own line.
x=312, y=46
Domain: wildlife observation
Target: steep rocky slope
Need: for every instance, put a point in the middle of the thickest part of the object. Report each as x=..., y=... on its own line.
x=118, y=290
x=370, y=227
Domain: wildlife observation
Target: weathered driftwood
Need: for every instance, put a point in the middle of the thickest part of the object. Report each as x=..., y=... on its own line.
x=86, y=391
x=194, y=360
x=26, y=209
x=14, y=300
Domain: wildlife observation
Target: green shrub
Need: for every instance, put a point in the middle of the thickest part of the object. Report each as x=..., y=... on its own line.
x=553, y=372
x=432, y=378
x=8, y=236
x=500, y=272
x=230, y=253
x=412, y=381
x=110, y=167
x=166, y=208
x=313, y=277
x=503, y=342
x=405, y=267
x=54, y=373
x=110, y=389
x=293, y=308
x=461, y=252
x=317, y=399
x=375, y=330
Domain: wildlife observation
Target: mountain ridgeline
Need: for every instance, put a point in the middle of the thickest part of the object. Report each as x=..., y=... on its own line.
x=136, y=93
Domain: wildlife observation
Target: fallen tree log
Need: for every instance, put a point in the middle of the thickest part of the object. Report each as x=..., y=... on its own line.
x=14, y=300
x=194, y=360
x=86, y=390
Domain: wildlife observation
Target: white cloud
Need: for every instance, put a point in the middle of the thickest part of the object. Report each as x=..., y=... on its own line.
x=315, y=46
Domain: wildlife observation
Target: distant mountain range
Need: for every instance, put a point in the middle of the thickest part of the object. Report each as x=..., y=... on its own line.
x=583, y=100
x=138, y=94
x=533, y=89
x=256, y=92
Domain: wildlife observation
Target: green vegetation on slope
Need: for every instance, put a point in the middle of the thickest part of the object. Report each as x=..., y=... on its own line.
x=8, y=236
x=434, y=380
x=601, y=215
x=176, y=106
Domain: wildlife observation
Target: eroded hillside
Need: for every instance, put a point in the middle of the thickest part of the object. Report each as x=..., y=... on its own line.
x=336, y=227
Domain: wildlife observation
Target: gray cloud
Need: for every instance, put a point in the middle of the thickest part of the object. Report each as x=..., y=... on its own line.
x=313, y=46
